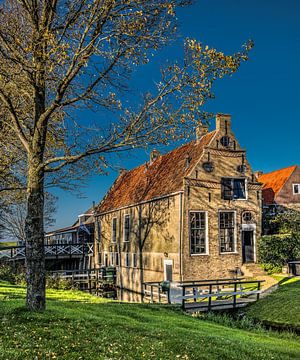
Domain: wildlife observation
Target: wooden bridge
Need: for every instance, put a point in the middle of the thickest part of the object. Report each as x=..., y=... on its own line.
x=53, y=251
x=206, y=295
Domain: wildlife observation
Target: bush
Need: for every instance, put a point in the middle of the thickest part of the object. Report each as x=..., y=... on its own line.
x=12, y=274
x=58, y=283
x=276, y=250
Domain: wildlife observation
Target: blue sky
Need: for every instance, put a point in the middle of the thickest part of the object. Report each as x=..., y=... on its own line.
x=262, y=96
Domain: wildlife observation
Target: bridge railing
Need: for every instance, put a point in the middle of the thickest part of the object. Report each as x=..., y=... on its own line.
x=53, y=250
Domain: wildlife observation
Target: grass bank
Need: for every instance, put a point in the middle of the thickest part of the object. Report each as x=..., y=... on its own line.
x=80, y=326
x=281, y=308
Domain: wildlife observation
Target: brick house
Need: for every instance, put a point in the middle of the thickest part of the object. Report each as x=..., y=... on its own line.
x=281, y=187
x=193, y=213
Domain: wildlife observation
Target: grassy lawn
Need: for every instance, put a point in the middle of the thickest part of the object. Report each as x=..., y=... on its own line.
x=7, y=243
x=282, y=307
x=80, y=326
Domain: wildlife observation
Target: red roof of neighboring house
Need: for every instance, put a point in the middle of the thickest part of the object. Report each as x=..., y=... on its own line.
x=148, y=181
x=274, y=181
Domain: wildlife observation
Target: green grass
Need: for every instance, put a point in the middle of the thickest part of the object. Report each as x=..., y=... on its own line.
x=7, y=243
x=80, y=326
x=282, y=307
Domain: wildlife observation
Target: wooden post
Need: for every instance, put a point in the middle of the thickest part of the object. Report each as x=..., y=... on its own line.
x=158, y=289
x=234, y=296
x=210, y=297
x=151, y=293
x=258, y=289
x=183, y=298
x=195, y=293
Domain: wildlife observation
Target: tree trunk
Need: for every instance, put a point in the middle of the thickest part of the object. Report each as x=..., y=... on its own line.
x=34, y=231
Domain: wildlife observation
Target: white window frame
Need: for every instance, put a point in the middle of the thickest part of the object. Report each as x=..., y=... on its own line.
x=124, y=222
x=236, y=178
x=206, y=233
x=112, y=229
x=234, y=232
x=296, y=193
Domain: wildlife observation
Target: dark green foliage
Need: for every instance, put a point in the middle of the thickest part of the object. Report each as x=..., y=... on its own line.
x=277, y=250
x=283, y=244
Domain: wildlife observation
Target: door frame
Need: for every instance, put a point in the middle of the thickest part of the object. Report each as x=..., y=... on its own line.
x=167, y=262
x=249, y=227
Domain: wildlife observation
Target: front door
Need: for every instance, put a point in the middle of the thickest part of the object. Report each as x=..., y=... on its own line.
x=248, y=246
x=168, y=270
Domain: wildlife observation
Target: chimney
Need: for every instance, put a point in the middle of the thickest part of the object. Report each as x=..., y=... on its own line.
x=223, y=122
x=201, y=130
x=154, y=155
x=258, y=174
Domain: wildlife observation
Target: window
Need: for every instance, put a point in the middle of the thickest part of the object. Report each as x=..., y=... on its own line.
x=225, y=141
x=233, y=189
x=134, y=260
x=114, y=230
x=296, y=189
x=247, y=216
x=126, y=227
x=198, y=232
x=105, y=259
x=226, y=231
x=111, y=259
x=117, y=259
x=127, y=260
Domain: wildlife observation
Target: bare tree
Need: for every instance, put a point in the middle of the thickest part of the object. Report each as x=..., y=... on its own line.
x=55, y=55
x=13, y=216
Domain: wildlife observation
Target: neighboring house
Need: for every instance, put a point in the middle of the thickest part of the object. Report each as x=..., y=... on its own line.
x=281, y=188
x=72, y=247
x=193, y=213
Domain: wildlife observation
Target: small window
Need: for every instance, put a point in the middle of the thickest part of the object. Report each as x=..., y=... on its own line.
x=233, y=189
x=134, y=260
x=225, y=141
x=296, y=189
x=127, y=260
x=117, y=259
x=105, y=259
x=111, y=259
x=114, y=230
x=198, y=232
x=226, y=231
x=247, y=216
x=126, y=227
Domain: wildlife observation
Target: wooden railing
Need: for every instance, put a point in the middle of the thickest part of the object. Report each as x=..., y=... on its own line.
x=209, y=295
x=53, y=250
x=205, y=295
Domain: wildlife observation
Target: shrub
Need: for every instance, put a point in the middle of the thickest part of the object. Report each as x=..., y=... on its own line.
x=59, y=283
x=276, y=250
x=12, y=274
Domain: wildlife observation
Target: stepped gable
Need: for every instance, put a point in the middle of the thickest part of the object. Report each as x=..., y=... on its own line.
x=274, y=181
x=151, y=180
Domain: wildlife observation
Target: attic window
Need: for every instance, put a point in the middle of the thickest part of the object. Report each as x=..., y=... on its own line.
x=233, y=188
x=296, y=189
x=225, y=141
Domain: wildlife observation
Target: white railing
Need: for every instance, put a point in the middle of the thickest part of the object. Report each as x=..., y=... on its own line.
x=53, y=250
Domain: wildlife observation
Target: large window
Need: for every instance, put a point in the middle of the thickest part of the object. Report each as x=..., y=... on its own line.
x=126, y=227
x=233, y=189
x=114, y=230
x=226, y=231
x=198, y=232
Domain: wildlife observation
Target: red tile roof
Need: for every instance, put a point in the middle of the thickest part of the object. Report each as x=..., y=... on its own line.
x=148, y=181
x=274, y=181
